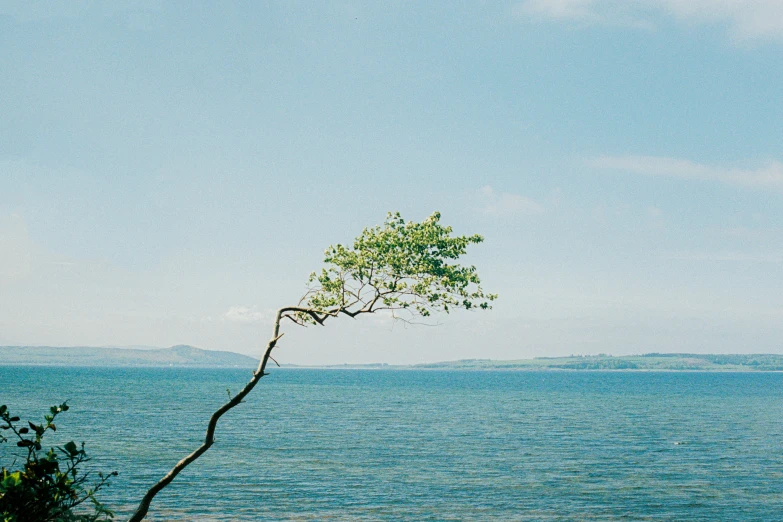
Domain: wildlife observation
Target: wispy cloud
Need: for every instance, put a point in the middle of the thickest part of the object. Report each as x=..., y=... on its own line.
x=16, y=249
x=592, y=12
x=27, y=11
x=506, y=204
x=561, y=9
x=768, y=176
x=244, y=315
x=744, y=233
x=736, y=257
x=745, y=19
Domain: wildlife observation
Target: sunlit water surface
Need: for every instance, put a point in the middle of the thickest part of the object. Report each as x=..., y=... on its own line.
x=426, y=445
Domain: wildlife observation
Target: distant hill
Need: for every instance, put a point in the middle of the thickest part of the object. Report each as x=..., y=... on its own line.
x=651, y=361
x=646, y=362
x=180, y=355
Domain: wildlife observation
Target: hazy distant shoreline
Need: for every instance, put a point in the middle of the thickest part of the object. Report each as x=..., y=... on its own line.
x=192, y=357
x=179, y=356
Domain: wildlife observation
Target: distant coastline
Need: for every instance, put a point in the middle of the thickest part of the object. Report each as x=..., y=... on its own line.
x=646, y=362
x=190, y=356
x=179, y=356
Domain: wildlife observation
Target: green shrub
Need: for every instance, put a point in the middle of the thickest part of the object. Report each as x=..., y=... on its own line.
x=48, y=485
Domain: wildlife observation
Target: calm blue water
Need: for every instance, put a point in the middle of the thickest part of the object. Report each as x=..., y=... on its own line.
x=428, y=445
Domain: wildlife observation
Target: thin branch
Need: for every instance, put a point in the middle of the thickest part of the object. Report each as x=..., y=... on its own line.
x=209, y=438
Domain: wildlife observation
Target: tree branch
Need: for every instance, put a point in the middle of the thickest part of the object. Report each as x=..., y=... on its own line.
x=405, y=272
x=209, y=438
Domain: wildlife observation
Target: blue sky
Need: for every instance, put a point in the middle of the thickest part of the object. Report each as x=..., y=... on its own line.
x=171, y=173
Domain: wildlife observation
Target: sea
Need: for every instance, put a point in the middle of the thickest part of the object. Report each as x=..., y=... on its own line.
x=316, y=444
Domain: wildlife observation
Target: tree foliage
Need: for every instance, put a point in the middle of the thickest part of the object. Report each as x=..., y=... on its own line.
x=404, y=267
x=48, y=486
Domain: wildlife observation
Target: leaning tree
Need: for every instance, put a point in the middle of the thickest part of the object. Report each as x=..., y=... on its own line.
x=405, y=268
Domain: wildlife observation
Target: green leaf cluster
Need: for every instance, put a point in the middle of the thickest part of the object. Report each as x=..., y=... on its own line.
x=48, y=487
x=406, y=267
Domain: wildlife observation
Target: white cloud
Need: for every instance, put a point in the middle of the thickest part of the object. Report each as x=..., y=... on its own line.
x=768, y=176
x=244, y=315
x=506, y=204
x=594, y=12
x=746, y=19
x=561, y=9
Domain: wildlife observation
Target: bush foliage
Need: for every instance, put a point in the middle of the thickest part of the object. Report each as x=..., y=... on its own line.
x=47, y=485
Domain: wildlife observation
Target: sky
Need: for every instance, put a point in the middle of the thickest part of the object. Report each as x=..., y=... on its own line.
x=171, y=172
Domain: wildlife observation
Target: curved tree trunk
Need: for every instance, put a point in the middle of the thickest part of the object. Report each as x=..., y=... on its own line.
x=209, y=439
x=398, y=267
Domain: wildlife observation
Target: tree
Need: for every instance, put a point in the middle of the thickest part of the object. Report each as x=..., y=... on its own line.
x=48, y=487
x=401, y=267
